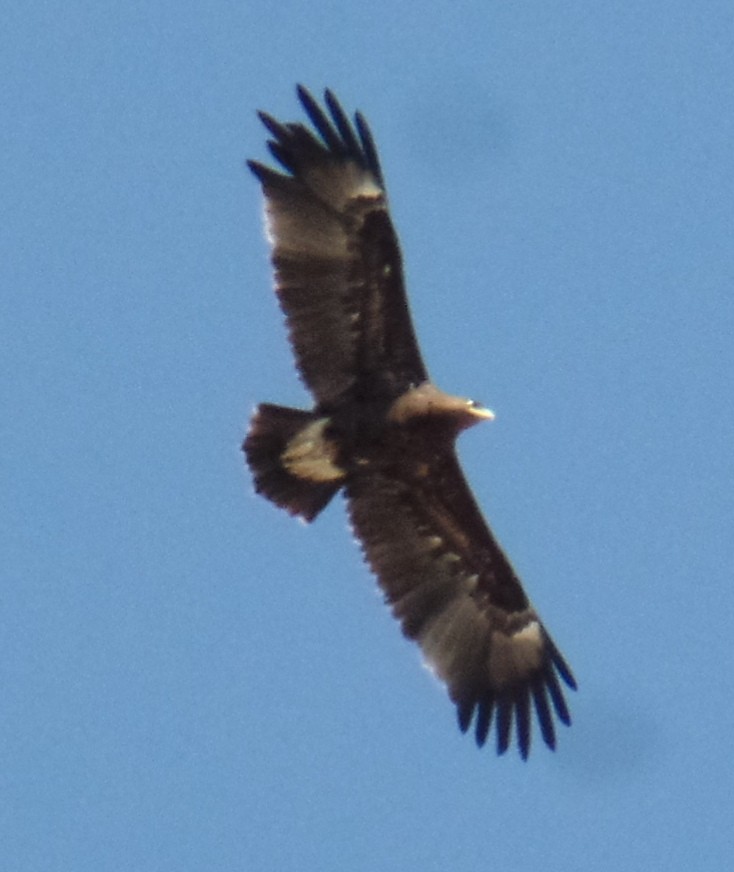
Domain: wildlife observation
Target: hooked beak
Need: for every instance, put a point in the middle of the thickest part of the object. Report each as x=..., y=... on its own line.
x=481, y=412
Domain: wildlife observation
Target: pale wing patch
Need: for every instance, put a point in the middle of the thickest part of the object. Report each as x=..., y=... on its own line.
x=515, y=656
x=367, y=189
x=454, y=633
x=301, y=225
x=299, y=221
x=338, y=184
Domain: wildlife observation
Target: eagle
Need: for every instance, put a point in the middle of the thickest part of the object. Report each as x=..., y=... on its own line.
x=382, y=433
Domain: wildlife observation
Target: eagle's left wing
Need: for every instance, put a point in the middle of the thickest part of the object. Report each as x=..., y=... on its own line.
x=454, y=592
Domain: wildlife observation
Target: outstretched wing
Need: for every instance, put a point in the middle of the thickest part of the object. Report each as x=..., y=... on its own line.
x=455, y=593
x=338, y=271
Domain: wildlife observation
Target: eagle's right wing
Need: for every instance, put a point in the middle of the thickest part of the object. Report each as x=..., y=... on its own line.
x=338, y=271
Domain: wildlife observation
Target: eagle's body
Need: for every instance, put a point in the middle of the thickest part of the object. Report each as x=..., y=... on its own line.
x=384, y=434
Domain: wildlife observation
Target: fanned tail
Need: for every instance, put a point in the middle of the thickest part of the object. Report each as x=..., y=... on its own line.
x=292, y=461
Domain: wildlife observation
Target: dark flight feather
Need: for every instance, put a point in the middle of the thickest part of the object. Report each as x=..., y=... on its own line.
x=382, y=433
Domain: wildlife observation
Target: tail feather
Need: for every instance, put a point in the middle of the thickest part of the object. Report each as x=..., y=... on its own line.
x=280, y=444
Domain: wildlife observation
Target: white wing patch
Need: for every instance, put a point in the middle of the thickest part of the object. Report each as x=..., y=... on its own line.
x=367, y=188
x=514, y=657
x=454, y=630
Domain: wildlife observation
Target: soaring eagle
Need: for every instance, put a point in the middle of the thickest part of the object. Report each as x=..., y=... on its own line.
x=381, y=432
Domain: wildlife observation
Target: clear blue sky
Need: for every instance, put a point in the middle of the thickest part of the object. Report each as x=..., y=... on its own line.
x=189, y=679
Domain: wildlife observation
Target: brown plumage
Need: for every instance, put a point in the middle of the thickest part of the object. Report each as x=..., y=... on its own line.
x=382, y=433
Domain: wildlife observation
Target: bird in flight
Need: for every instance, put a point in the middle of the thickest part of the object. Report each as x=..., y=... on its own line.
x=382, y=433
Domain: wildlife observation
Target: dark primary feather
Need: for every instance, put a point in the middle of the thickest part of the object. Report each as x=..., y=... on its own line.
x=338, y=269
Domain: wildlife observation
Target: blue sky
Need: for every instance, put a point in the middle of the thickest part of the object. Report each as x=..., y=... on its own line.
x=192, y=680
